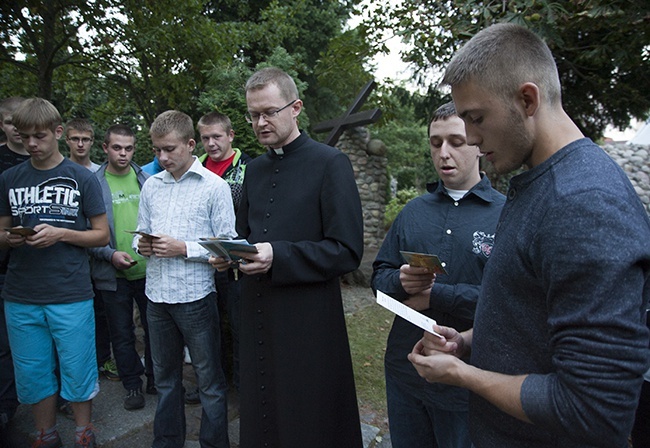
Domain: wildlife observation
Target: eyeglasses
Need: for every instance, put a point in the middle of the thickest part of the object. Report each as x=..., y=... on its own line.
x=83, y=140
x=254, y=117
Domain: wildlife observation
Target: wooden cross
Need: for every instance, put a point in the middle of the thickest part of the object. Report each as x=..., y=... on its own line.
x=351, y=118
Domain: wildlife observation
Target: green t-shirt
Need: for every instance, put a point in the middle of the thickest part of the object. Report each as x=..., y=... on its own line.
x=125, y=192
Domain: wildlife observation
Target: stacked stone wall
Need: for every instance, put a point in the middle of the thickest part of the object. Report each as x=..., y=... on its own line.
x=369, y=162
x=635, y=162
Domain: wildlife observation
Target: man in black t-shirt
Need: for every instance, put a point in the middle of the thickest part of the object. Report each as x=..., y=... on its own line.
x=11, y=153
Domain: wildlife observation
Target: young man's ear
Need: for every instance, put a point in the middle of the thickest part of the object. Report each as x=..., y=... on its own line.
x=530, y=98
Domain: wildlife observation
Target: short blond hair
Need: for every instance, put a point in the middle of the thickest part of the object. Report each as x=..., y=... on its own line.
x=215, y=118
x=38, y=114
x=80, y=125
x=501, y=58
x=273, y=75
x=172, y=121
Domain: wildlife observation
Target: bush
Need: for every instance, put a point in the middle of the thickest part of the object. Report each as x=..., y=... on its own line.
x=396, y=204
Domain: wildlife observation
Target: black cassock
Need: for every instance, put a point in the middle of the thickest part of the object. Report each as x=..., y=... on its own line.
x=297, y=385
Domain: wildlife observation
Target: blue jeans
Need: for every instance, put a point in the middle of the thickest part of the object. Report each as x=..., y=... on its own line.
x=416, y=423
x=118, y=305
x=195, y=324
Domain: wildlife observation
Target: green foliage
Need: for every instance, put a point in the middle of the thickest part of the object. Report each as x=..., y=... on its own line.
x=396, y=204
x=600, y=46
x=128, y=61
x=403, y=129
x=40, y=37
x=368, y=331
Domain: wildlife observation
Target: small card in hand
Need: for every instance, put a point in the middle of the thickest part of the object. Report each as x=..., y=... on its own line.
x=432, y=262
x=137, y=232
x=23, y=231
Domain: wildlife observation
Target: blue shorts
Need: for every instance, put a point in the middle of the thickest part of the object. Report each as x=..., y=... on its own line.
x=37, y=334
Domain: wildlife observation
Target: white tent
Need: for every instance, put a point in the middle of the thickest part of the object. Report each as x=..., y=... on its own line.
x=642, y=136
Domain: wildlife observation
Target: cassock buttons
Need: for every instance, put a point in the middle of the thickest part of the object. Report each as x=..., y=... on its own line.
x=273, y=184
x=265, y=230
x=261, y=358
x=277, y=171
x=262, y=387
x=271, y=200
x=448, y=231
x=260, y=342
x=456, y=203
x=268, y=215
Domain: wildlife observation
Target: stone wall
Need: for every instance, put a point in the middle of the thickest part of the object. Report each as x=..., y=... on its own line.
x=634, y=161
x=369, y=162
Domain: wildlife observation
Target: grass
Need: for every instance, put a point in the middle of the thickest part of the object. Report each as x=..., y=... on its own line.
x=368, y=330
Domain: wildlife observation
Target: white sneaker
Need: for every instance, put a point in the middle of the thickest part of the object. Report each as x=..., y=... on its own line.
x=186, y=355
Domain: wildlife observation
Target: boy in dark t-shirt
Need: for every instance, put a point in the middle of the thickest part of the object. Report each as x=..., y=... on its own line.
x=12, y=152
x=48, y=302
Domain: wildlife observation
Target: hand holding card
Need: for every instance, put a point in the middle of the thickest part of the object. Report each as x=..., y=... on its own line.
x=431, y=262
x=22, y=231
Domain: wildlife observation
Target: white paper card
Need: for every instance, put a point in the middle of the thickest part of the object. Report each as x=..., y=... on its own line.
x=403, y=311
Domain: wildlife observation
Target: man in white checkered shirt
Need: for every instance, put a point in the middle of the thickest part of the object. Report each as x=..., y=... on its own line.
x=177, y=207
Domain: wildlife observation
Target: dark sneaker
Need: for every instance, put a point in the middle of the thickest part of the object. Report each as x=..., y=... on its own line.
x=192, y=396
x=53, y=443
x=109, y=369
x=151, y=386
x=87, y=439
x=134, y=400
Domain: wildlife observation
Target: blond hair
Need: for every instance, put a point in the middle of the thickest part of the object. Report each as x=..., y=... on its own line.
x=172, y=121
x=273, y=75
x=501, y=58
x=38, y=114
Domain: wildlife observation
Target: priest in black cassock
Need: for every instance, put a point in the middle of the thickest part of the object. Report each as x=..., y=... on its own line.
x=301, y=209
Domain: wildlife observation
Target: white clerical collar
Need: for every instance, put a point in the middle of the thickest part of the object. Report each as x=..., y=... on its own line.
x=278, y=151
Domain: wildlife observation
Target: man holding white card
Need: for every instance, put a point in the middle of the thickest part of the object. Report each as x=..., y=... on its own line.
x=559, y=344
x=456, y=221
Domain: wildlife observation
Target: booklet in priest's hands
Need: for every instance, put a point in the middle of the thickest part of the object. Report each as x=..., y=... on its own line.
x=221, y=247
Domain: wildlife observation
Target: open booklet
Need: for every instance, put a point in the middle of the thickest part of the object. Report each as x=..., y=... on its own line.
x=431, y=262
x=221, y=247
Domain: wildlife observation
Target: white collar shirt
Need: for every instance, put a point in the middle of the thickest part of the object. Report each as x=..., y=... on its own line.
x=198, y=205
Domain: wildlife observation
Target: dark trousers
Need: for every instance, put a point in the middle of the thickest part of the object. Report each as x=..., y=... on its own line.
x=8, y=397
x=416, y=422
x=118, y=305
x=102, y=335
x=641, y=429
x=228, y=294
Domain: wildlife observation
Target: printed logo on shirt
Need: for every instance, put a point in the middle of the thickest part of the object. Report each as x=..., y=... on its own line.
x=55, y=200
x=120, y=197
x=482, y=243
